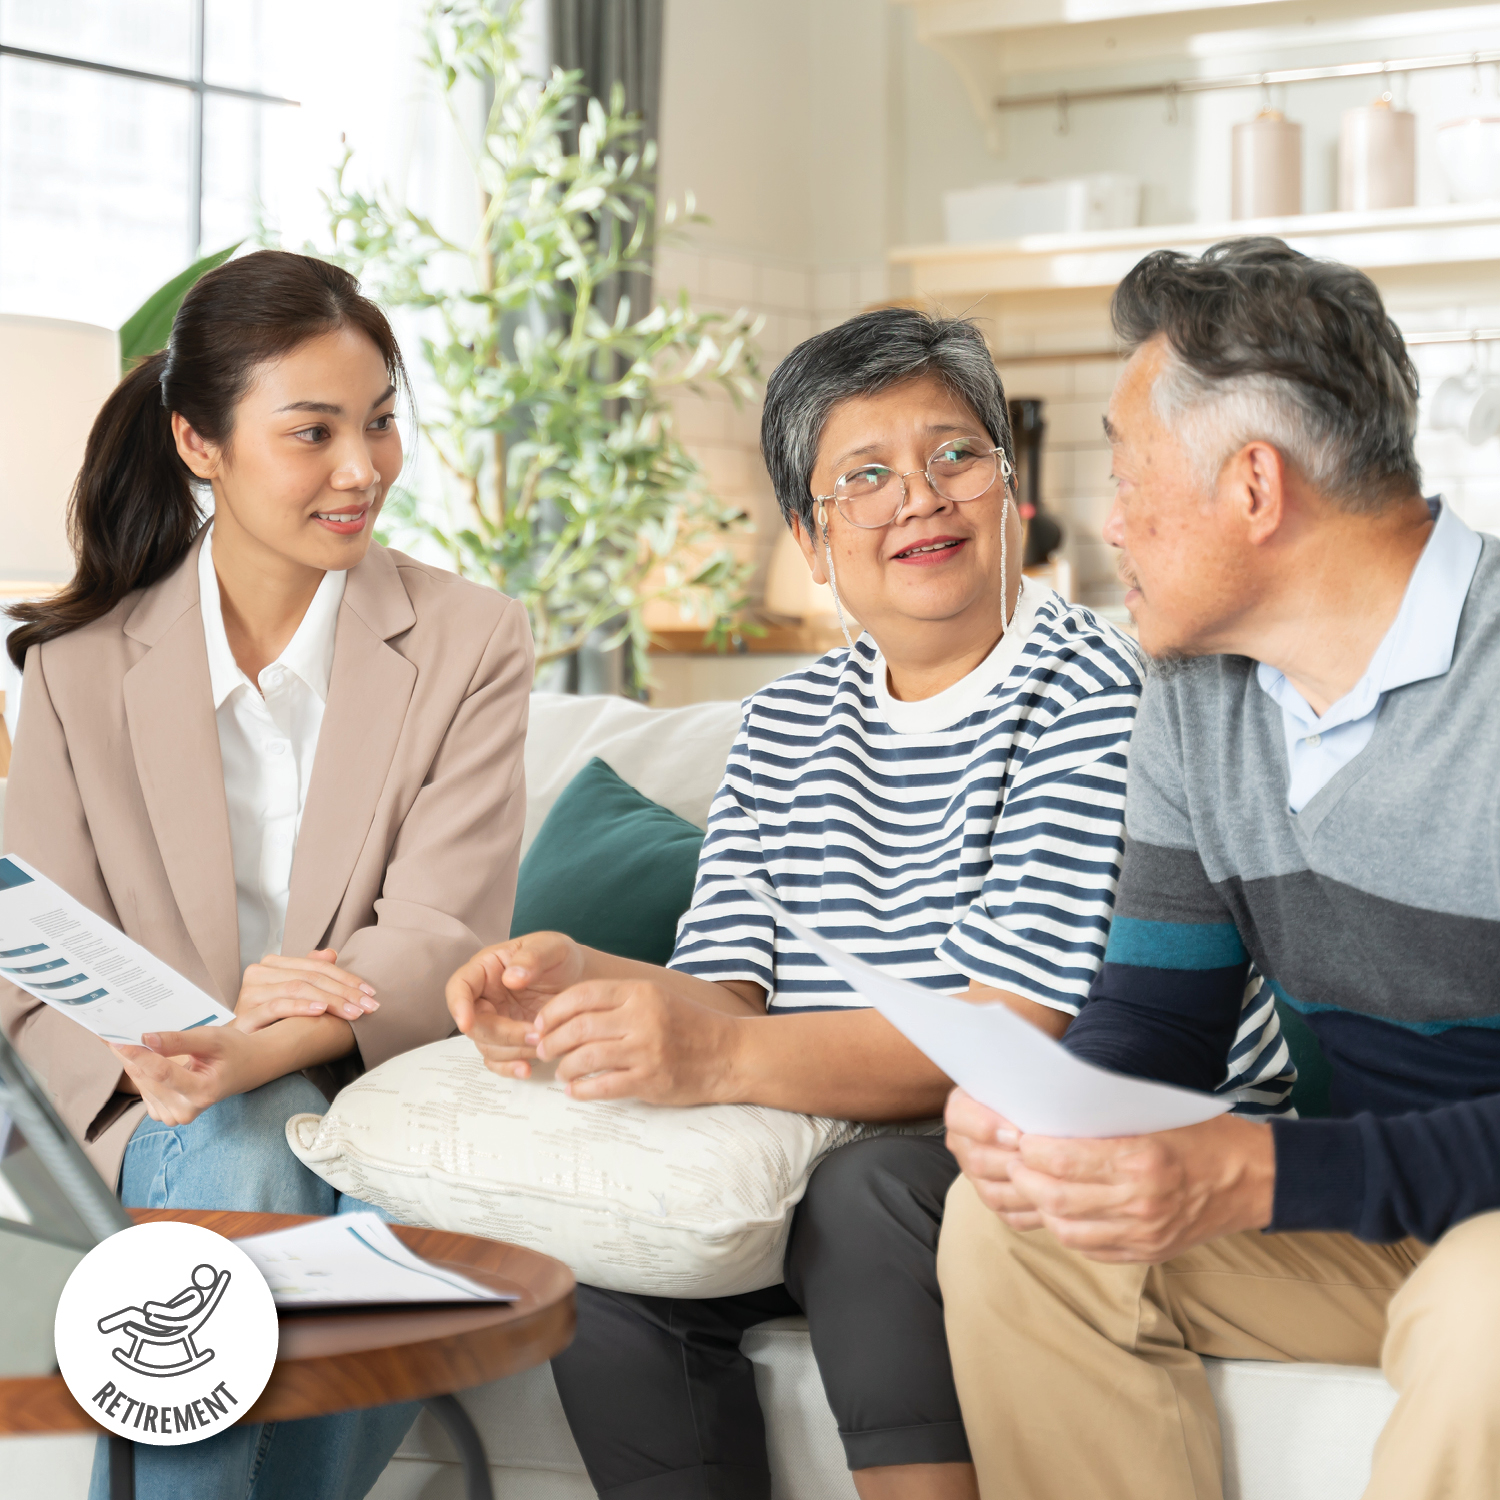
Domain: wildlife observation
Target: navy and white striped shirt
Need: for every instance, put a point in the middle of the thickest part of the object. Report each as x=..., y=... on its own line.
x=976, y=834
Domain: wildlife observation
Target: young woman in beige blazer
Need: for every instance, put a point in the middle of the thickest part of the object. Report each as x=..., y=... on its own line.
x=281, y=757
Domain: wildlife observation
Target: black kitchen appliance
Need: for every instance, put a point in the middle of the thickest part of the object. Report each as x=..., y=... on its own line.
x=1043, y=534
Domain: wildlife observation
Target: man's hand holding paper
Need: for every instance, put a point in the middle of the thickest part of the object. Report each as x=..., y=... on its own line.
x=1119, y=1168
x=1139, y=1199
x=987, y=1146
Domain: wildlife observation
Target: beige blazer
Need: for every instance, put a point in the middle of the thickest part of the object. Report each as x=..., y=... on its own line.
x=406, y=857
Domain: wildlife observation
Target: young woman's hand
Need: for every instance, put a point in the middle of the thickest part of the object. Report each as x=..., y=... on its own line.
x=179, y=1074
x=278, y=987
x=495, y=997
x=632, y=1039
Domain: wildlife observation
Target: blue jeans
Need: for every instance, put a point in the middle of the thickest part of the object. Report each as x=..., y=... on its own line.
x=235, y=1155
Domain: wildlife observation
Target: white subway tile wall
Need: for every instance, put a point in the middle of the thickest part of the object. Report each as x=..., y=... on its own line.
x=1467, y=474
x=795, y=302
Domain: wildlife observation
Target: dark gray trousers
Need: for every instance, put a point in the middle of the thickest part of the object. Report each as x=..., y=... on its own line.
x=663, y=1404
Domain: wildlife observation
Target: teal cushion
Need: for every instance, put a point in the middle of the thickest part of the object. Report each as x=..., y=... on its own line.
x=610, y=868
x=1310, y=1092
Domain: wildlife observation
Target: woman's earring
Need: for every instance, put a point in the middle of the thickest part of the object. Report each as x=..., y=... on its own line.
x=833, y=582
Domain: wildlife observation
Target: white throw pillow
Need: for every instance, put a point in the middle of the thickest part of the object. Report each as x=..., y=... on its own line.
x=632, y=1197
x=674, y=756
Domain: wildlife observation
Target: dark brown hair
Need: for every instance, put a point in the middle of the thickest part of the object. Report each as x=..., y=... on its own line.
x=134, y=512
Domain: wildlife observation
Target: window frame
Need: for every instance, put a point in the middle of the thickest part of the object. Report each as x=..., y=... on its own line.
x=195, y=83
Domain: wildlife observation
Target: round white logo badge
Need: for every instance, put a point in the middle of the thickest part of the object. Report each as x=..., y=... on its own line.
x=166, y=1333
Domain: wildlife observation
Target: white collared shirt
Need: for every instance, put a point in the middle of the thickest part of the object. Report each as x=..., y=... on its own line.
x=1418, y=645
x=267, y=741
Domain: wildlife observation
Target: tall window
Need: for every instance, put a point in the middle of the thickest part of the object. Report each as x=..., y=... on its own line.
x=134, y=135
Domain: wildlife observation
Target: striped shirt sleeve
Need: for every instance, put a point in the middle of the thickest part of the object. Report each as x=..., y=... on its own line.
x=1039, y=924
x=726, y=935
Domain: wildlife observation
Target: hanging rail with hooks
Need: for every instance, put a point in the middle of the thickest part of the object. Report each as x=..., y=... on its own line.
x=1064, y=99
x=1070, y=356
x=1456, y=336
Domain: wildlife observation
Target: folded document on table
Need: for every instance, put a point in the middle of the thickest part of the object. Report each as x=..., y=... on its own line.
x=1005, y=1062
x=354, y=1260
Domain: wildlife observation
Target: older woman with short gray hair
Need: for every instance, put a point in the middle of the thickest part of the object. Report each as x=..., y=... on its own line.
x=941, y=796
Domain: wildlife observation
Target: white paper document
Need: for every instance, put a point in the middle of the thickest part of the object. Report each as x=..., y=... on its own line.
x=1005, y=1062
x=56, y=949
x=353, y=1260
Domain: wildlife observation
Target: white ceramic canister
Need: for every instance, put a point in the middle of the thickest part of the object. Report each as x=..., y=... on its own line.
x=1468, y=404
x=1469, y=149
x=1377, y=157
x=1266, y=167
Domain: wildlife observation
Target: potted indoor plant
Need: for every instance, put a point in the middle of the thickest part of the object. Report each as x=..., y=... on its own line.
x=561, y=480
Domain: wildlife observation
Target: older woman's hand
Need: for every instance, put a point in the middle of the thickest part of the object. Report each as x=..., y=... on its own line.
x=495, y=997
x=633, y=1039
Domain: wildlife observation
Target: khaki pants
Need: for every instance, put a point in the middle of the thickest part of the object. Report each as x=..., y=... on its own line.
x=1083, y=1379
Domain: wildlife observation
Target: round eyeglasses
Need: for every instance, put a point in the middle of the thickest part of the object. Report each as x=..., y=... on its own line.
x=873, y=495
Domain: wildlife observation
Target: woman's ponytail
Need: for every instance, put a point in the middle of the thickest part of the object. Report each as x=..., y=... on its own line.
x=134, y=509
x=132, y=515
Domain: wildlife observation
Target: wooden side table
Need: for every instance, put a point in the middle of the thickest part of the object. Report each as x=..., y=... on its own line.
x=341, y=1361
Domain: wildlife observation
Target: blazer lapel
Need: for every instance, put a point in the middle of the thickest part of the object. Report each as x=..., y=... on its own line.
x=368, y=693
x=175, y=740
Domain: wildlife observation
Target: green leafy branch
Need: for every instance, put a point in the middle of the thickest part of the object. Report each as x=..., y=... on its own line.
x=562, y=479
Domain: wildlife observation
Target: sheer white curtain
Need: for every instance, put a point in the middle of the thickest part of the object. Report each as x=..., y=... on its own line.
x=358, y=76
x=97, y=182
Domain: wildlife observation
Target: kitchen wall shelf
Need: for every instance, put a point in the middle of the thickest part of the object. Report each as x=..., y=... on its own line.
x=992, y=42
x=994, y=45
x=1391, y=241
x=1384, y=69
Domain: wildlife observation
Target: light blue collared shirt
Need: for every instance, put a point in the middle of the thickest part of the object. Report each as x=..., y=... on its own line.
x=1418, y=645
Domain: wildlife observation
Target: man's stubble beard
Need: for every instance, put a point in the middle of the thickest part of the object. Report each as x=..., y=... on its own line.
x=1170, y=662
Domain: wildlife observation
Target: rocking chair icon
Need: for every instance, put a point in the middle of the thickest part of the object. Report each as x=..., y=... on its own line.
x=163, y=1324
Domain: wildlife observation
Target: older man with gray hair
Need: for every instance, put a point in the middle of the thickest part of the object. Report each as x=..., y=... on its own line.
x=1311, y=790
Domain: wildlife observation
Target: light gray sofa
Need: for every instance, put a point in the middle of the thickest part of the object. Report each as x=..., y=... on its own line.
x=1291, y=1432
